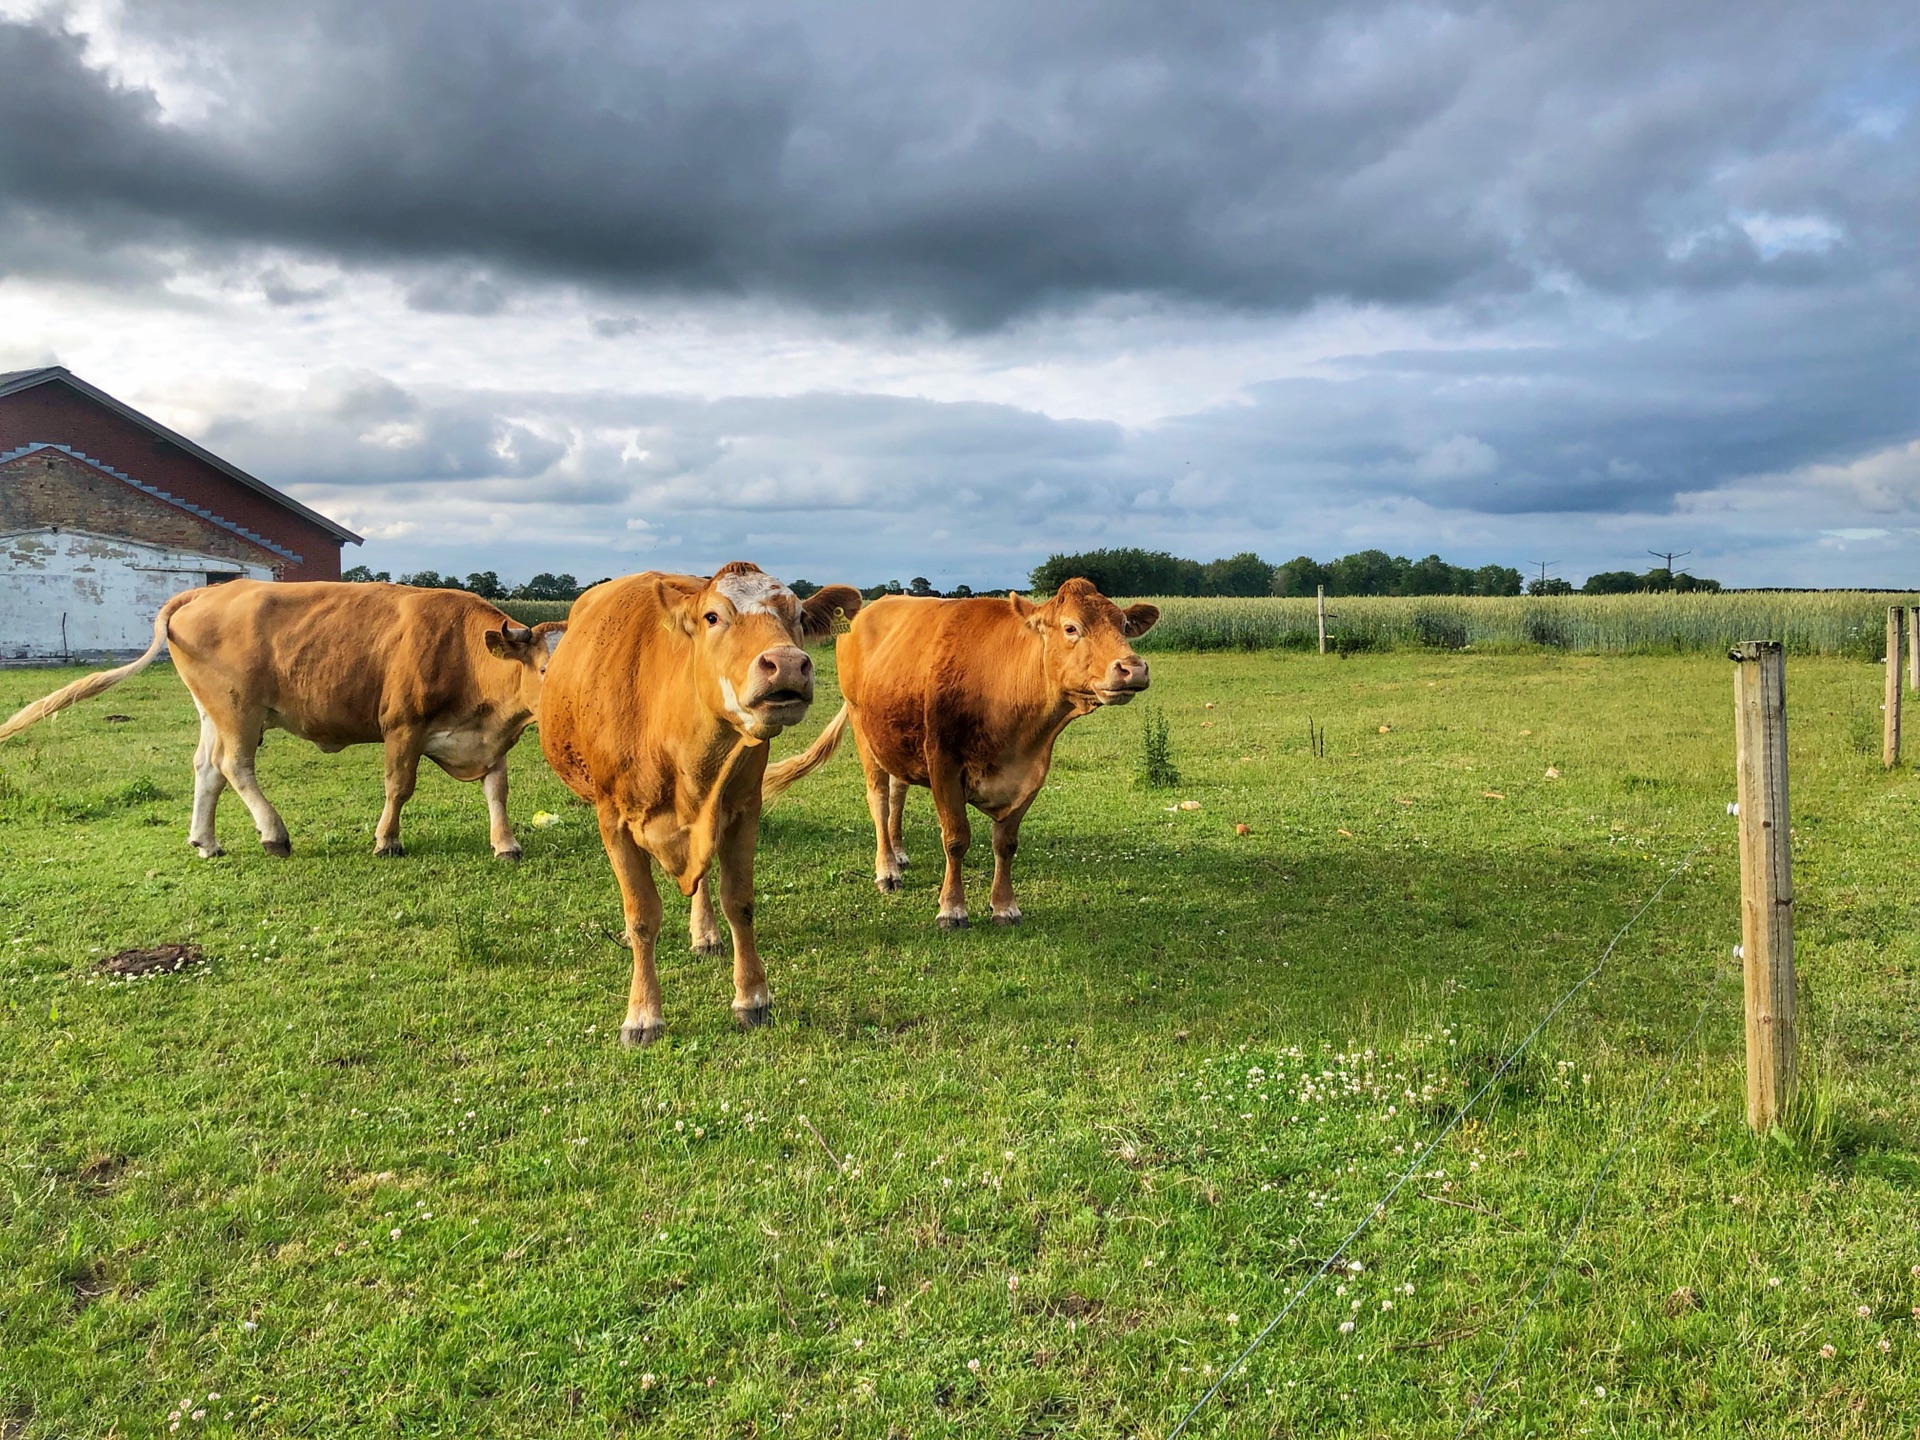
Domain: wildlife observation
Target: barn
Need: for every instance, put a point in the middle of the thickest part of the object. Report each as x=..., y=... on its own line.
x=105, y=512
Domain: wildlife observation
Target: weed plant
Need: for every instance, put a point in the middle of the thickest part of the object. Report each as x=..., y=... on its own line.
x=1157, y=770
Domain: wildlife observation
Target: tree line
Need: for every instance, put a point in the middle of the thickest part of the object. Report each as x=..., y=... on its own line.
x=1132, y=571
x=1366, y=572
x=484, y=583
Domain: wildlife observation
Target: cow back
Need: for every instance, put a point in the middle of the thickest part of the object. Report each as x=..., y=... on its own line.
x=342, y=664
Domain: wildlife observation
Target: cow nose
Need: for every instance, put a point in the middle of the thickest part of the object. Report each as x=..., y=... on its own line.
x=785, y=668
x=1129, y=672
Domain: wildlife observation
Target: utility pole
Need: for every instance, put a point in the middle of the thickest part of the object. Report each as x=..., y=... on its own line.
x=1543, y=564
x=1669, y=556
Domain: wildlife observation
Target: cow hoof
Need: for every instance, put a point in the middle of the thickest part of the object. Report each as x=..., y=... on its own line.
x=715, y=946
x=1011, y=917
x=635, y=1037
x=207, y=852
x=280, y=849
x=901, y=860
x=752, y=1016
x=952, y=922
x=886, y=884
x=390, y=851
x=512, y=857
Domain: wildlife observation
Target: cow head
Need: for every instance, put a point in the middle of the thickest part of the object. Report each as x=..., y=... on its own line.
x=747, y=631
x=1089, y=657
x=529, y=651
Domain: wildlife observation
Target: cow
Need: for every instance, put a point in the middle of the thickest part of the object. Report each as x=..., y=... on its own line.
x=438, y=673
x=967, y=697
x=657, y=712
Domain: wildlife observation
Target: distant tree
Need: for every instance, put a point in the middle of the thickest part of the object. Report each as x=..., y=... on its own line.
x=1301, y=576
x=1553, y=586
x=361, y=575
x=1242, y=574
x=960, y=592
x=803, y=588
x=1367, y=572
x=545, y=586
x=486, y=585
x=430, y=580
x=1613, y=582
x=1658, y=580
x=1119, y=572
x=874, y=592
x=1499, y=580
x=921, y=586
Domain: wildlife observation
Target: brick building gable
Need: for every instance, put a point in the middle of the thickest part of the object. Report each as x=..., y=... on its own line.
x=53, y=486
x=52, y=408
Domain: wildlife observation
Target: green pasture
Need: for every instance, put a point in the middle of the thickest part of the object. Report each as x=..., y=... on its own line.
x=379, y=1167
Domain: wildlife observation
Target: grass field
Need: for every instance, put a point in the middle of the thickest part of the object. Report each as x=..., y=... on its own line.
x=380, y=1167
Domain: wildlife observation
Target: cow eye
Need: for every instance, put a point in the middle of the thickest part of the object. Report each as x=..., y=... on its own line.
x=1072, y=631
x=713, y=617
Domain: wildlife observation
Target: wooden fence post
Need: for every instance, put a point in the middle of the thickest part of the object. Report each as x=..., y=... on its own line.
x=1890, y=747
x=1913, y=648
x=1766, y=877
x=1323, y=619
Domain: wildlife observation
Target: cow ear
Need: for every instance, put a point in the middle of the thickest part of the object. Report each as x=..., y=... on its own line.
x=1139, y=619
x=827, y=611
x=497, y=643
x=676, y=605
x=1027, y=611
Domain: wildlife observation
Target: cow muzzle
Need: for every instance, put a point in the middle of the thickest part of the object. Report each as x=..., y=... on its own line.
x=780, y=688
x=1125, y=678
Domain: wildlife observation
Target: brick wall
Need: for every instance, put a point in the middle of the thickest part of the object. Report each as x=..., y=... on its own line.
x=58, y=415
x=51, y=488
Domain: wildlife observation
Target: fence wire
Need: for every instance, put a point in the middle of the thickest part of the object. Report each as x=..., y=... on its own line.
x=1379, y=1206
x=1600, y=1177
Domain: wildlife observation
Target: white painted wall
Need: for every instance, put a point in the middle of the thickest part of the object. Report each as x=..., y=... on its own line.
x=106, y=590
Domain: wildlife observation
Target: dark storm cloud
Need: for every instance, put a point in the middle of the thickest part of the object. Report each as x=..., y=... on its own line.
x=972, y=163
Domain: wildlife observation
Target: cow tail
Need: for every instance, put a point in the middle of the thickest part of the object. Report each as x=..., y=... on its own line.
x=779, y=777
x=87, y=686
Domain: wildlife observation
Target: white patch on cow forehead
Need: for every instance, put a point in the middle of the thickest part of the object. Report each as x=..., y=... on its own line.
x=750, y=591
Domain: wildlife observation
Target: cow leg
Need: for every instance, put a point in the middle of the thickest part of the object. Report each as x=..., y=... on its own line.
x=956, y=834
x=1006, y=840
x=493, y=785
x=702, y=929
x=403, y=770
x=752, y=1004
x=896, y=815
x=633, y=871
x=235, y=754
x=886, y=865
x=208, y=782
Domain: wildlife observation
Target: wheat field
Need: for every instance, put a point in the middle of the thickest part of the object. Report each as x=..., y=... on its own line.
x=1840, y=623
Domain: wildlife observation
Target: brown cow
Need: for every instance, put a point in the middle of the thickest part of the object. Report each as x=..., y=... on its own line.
x=658, y=711
x=966, y=697
x=438, y=673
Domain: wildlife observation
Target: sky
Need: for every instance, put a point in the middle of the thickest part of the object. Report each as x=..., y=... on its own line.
x=871, y=291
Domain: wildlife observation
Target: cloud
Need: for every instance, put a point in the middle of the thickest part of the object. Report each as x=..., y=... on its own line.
x=865, y=289
x=987, y=162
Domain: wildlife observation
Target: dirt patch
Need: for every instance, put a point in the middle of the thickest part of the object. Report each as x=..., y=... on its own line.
x=116, y=719
x=151, y=961
x=100, y=1172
